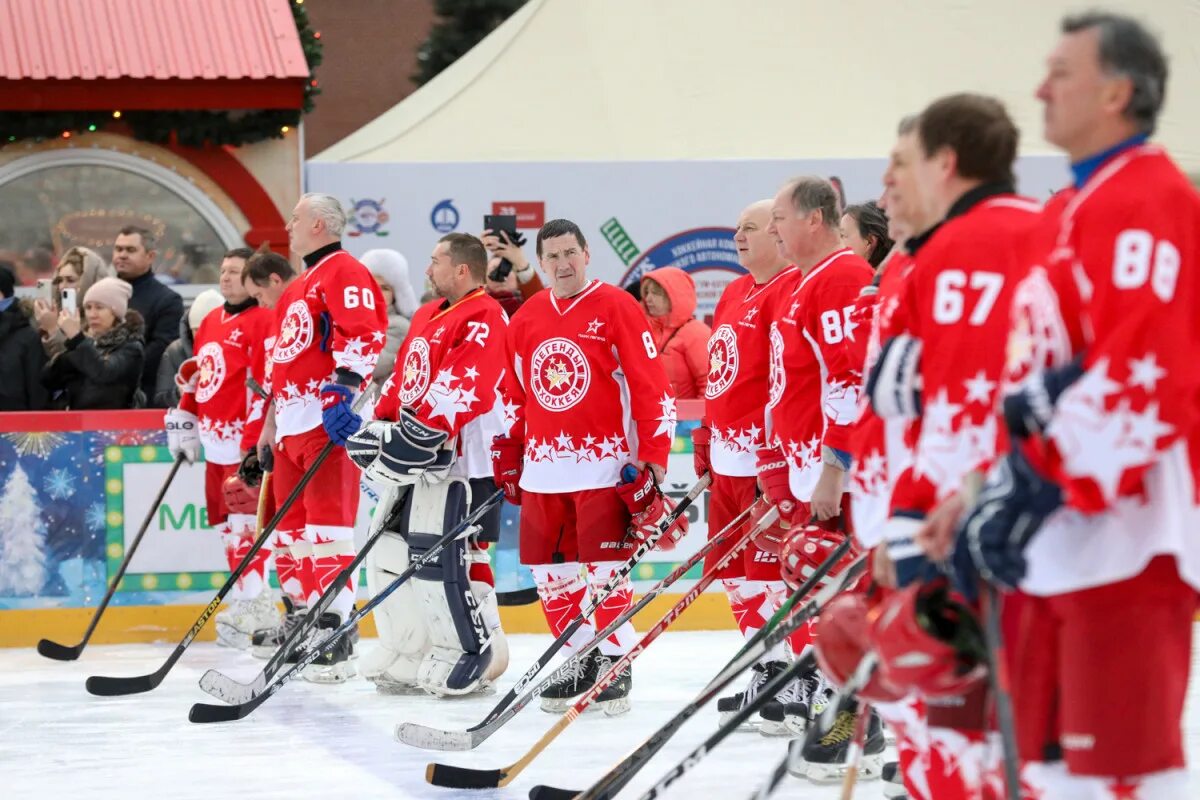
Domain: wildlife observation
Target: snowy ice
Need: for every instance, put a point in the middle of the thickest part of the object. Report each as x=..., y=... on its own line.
x=311, y=741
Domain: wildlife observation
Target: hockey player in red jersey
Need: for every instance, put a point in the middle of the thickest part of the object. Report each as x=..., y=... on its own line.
x=586, y=395
x=1093, y=513
x=727, y=442
x=330, y=329
x=218, y=411
x=939, y=369
x=813, y=397
x=440, y=632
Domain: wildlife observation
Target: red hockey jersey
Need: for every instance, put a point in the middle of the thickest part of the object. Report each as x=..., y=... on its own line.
x=739, y=370
x=586, y=390
x=228, y=349
x=448, y=374
x=956, y=301
x=332, y=316
x=812, y=406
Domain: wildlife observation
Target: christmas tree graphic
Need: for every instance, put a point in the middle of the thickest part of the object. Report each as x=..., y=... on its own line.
x=22, y=537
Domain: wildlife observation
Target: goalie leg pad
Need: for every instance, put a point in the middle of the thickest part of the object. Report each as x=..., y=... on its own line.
x=478, y=567
x=460, y=653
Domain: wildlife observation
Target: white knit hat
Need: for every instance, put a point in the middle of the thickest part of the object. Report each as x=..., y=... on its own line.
x=391, y=268
x=202, y=306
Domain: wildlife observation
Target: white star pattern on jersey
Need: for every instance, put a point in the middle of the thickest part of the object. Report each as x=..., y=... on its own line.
x=979, y=388
x=1101, y=443
x=354, y=359
x=869, y=475
x=945, y=453
x=666, y=420
x=447, y=401
x=587, y=449
x=1145, y=372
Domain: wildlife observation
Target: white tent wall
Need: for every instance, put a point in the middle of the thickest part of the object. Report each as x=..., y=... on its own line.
x=568, y=80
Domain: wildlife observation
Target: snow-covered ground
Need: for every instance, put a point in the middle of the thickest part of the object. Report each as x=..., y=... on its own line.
x=312, y=741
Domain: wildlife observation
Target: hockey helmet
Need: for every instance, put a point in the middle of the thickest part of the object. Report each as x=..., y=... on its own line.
x=842, y=639
x=807, y=548
x=929, y=641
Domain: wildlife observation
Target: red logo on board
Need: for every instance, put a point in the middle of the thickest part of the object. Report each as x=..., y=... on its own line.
x=528, y=214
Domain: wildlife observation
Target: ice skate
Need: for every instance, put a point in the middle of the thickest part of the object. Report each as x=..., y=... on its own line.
x=760, y=674
x=578, y=676
x=824, y=760
x=614, y=700
x=336, y=664
x=237, y=625
x=893, y=784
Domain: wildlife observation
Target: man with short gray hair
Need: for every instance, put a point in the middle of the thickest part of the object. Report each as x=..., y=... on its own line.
x=330, y=327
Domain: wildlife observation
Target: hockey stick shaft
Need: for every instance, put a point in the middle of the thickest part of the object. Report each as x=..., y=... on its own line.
x=856, y=752
x=577, y=622
x=59, y=652
x=777, y=772
x=203, y=712
x=442, y=775
x=620, y=775
x=108, y=686
x=998, y=676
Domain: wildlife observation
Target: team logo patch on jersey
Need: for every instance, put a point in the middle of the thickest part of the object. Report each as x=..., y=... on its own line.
x=722, y=361
x=559, y=374
x=414, y=377
x=212, y=371
x=295, y=334
x=778, y=376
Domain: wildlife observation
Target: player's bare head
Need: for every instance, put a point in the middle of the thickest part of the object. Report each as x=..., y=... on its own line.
x=230, y=281
x=756, y=247
x=804, y=217
x=1106, y=80
x=563, y=253
x=969, y=136
x=906, y=206
x=458, y=265
x=317, y=220
x=265, y=276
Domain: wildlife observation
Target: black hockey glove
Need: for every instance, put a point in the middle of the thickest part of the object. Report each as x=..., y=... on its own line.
x=1027, y=411
x=894, y=386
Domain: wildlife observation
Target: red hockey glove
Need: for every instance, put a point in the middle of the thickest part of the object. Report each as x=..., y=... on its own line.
x=773, y=537
x=649, y=508
x=188, y=376
x=773, y=478
x=701, y=436
x=508, y=457
x=807, y=548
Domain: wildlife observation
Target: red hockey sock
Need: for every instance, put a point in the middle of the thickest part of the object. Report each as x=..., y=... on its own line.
x=481, y=570
x=802, y=637
x=750, y=603
x=562, y=590
x=326, y=568
x=620, y=600
x=254, y=580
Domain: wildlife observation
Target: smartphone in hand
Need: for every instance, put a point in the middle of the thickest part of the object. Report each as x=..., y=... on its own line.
x=501, y=222
x=69, y=302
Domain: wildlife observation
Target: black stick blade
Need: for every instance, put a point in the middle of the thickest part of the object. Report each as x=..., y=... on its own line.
x=553, y=793
x=462, y=778
x=58, y=652
x=112, y=687
x=205, y=712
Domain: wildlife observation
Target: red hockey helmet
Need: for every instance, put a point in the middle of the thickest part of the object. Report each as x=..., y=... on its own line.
x=842, y=637
x=771, y=538
x=239, y=498
x=807, y=548
x=929, y=641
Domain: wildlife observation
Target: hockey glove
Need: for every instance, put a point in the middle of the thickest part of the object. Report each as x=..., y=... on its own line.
x=337, y=416
x=266, y=457
x=183, y=437
x=251, y=470
x=894, y=386
x=188, y=376
x=649, y=508
x=1013, y=504
x=701, y=437
x=909, y=561
x=1028, y=409
x=397, y=452
x=773, y=478
x=508, y=459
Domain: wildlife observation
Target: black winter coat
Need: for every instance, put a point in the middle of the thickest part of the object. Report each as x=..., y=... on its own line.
x=21, y=362
x=161, y=309
x=104, y=372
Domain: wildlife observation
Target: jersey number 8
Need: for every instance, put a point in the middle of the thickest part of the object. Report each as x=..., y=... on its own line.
x=1132, y=265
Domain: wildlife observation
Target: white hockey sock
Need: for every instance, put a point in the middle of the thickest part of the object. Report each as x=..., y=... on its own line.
x=750, y=602
x=562, y=590
x=620, y=600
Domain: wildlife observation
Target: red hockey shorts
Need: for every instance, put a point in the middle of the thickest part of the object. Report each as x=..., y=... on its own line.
x=1104, y=673
x=331, y=495
x=589, y=525
x=214, y=496
x=728, y=497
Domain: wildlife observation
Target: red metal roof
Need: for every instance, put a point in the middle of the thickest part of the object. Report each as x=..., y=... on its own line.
x=67, y=51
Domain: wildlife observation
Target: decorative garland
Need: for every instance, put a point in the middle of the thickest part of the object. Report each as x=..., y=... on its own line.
x=191, y=128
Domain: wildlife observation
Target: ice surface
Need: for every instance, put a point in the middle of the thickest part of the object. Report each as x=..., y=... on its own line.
x=313, y=741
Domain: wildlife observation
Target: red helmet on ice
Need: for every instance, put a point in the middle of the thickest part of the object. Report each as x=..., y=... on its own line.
x=842, y=637
x=239, y=498
x=929, y=641
x=772, y=537
x=807, y=548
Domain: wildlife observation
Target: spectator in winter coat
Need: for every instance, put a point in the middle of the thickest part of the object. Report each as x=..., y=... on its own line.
x=21, y=354
x=390, y=269
x=166, y=392
x=669, y=298
x=78, y=270
x=102, y=369
x=160, y=307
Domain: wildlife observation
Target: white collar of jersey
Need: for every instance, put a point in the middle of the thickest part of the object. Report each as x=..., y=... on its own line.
x=834, y=256
x=758, y=288
x=573, y=299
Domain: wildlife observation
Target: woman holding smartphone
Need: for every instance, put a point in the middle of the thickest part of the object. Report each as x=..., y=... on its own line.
x=75, y=274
